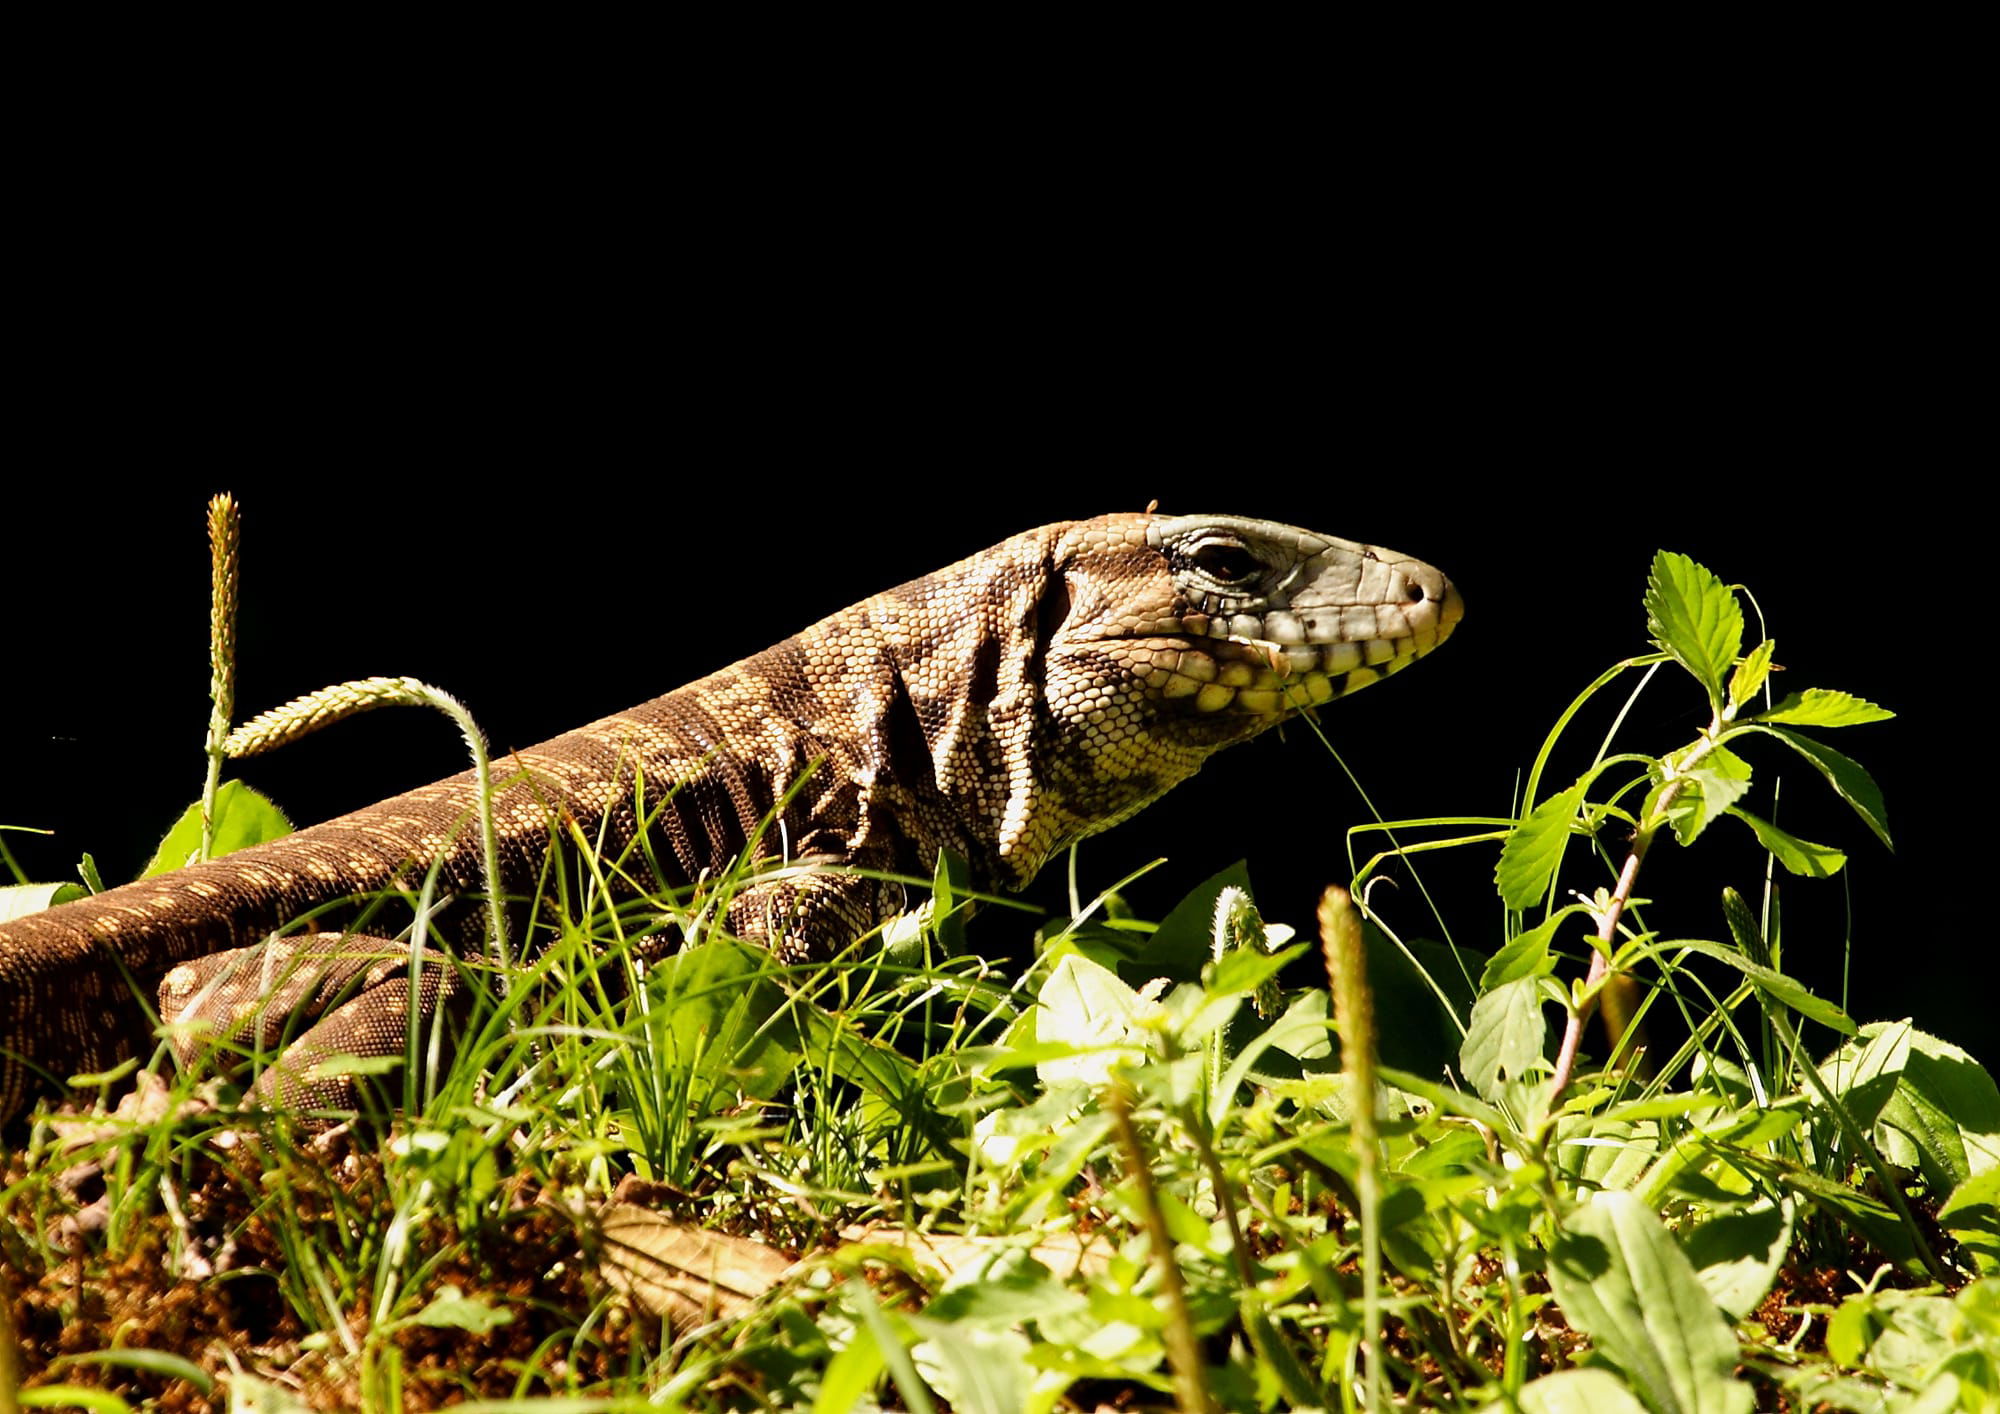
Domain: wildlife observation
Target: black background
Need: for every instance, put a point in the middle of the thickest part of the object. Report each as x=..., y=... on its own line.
x=558, y=433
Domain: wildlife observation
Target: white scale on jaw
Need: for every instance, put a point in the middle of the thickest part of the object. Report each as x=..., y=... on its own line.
x=1274, y=676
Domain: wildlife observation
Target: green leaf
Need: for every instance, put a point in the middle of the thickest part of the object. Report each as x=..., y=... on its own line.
x=73, y=1397
x=1792, y=993
x=1534, y=849
x=1873, y=1220
x=1021, y=1292
x=1302, y=1032
x=1824, y=707
x=950, y=882
x=1445, y=1099
x=1849, y=781
x=1423, y=989
x=1084, y=1005
x=1974, y=1192
x=334, y=1066
x=866, y=1061
x=1931, y=1105
x=721, y=1025
x=1750, y=673
x=243, y=817
x=854, y=1371
x=979, y=1369
x=1801, y=857
x=1864, y=1073
x=152, y=1362
x=1694, y=616
x=20, y=900
x=1905, y=1335
x=1244, y=970
x=1526, y=954
x=1505, y=1038
x=1623, y=1280
x=1972, y=1216
x=1574, y=1392
x=1184, y=943
x=1710, y=788
x=452, y=1307
x=1736, y=1256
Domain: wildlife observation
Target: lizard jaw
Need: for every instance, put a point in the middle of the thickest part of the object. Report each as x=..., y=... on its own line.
x=1266, y=666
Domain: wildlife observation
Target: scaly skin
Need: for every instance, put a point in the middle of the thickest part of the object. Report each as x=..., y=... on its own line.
x=1003, y=707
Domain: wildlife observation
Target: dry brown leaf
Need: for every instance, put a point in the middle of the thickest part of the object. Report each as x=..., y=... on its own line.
x=688, y=1275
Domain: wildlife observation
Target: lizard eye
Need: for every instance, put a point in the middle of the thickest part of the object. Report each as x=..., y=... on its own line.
x=1226, y=561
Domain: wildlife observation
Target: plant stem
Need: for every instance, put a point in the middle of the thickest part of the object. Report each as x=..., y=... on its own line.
x=1265, y=1340
x=1600, y=965
x=1183, y=1350
x=1354, y=1015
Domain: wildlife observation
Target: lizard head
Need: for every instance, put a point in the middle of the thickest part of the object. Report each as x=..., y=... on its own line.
x=1207, y=629
x=1069, y=677
x=1162, y=639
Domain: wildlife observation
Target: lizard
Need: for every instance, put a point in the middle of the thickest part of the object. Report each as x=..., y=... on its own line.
x=1002, y=708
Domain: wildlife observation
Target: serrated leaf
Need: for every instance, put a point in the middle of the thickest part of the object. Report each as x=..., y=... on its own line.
x=1534, y=849
x=1751, y=672
x=1825, y=707
x=1707, y=791
x=1526, y=954
x=1801, y=857
x=1505, y=1037
x=1694, y=616
x=1906, y=1335
x=20, y=900
x=1849, y=781
x=1623, y=1280
x=243, y=817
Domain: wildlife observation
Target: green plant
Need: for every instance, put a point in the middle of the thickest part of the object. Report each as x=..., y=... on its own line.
x=1141, y=1169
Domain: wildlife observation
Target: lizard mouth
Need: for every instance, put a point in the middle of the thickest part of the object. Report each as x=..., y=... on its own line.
x=1245, y=666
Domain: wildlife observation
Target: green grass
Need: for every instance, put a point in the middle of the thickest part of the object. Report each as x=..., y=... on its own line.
x=1130, y=1174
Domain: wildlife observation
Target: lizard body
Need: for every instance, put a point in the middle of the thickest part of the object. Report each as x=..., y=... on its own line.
x=1002, y=708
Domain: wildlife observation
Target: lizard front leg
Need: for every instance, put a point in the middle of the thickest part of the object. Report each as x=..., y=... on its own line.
x=810, y=915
